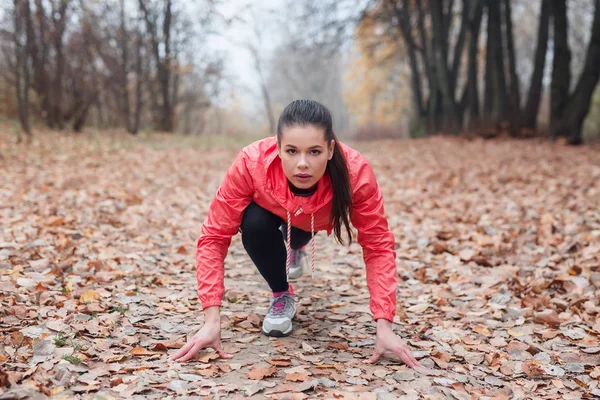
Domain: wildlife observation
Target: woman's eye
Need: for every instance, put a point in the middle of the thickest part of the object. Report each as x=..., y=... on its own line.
x=315, y=152
x=291, y=151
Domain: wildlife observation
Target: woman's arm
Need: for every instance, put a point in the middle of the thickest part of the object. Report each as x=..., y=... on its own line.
x=377, y=242
x=224, y=218
x=223, y=221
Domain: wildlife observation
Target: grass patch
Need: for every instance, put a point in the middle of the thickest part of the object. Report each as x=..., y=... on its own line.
x=119, y=309
x=72, y=359
x=60, y=340
x=65, y=144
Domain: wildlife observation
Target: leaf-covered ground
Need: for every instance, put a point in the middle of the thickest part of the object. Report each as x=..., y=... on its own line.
x=498, y=254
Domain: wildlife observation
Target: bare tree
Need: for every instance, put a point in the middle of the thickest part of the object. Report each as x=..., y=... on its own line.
x=568, y=110
x=534, y=95
x=162, y=59
x=22, y=16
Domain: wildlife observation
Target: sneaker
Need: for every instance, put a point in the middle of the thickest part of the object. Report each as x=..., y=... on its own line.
x=278, y=321
x=297, y=260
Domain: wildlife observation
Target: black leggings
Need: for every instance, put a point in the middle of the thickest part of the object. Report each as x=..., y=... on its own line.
x=264, y=242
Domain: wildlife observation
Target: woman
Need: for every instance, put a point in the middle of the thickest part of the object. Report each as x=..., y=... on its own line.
x=303, y=180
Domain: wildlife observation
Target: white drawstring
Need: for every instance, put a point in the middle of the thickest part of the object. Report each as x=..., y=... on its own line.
x=289, y=249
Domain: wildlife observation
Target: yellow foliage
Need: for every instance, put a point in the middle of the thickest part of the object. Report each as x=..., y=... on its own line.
x=376, y=93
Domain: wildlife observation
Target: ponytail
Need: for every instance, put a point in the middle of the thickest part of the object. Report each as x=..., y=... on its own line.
x=341, y=207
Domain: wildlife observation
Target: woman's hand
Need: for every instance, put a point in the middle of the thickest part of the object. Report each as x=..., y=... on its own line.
x=209, y=336
x=388, y=342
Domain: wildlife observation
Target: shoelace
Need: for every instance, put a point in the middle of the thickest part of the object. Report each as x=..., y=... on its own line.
x=280, y=303
x=289, y=249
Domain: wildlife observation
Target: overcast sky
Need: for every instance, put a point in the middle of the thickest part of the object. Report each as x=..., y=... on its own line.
x=239, y=63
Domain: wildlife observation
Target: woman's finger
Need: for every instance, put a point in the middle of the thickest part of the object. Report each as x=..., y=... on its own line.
x=191, y=352
x=221, y=352
x=182, y=351
x=373, y=358
x=406, y=356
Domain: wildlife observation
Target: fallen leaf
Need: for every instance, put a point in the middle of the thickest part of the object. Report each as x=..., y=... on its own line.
x=483, y=330
x=280, y=361
x=260, y=372
x=466, y=254
x=208, y=357
x=297, y=377
x=307, y=348
x=141, y=352
x=418, y=308
x=338, y=345
x=533, y=368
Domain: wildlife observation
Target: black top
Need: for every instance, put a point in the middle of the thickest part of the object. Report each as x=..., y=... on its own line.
x=302, y=192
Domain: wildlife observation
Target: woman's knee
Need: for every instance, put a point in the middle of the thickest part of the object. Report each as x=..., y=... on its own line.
x=257, y=221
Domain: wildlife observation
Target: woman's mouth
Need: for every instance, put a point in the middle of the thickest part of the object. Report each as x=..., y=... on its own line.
x=303, y=177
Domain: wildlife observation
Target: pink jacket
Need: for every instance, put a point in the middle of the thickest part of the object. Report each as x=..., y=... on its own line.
x=257, y=175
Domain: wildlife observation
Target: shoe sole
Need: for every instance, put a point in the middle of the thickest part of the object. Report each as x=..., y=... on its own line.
x=278, y=333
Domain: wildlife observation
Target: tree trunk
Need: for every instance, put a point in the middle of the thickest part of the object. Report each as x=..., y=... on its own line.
x=124, y=81
x=425, y=50
x=561, y=65
x=488, y=96
x=403, y=17
x=428, y=109
x=39, y=61
x=446, y=24
x=578, y=104
x=59, y=25
x=22, y=13
x=535, y=88
x=163, y=65
x=458, y=48
x=165, y=71
x=514, y=102
x=495, y=90
x=82, y=112
x=475, y=15
x=138, y=84
x=449, y=110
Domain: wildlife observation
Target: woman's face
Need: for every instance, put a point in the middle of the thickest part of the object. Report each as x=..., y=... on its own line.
x=304, y=154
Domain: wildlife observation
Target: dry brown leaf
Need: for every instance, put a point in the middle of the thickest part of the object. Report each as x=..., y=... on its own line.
x=418, y=308
x=297, y=377
x=231, y=349
x=308, y=348
x=466, y=254
x=226, y=368
x=483, y=330
x=533, y=368
x=261, y=372
x=575, y=270
x=89, y=297
x=208, y=357
x=338, y=345
x=280, y=361
x=141, y=352
x=548, y=317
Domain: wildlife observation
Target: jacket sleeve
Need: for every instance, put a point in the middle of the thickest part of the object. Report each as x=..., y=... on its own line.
x=223, y=221
x=377, y=242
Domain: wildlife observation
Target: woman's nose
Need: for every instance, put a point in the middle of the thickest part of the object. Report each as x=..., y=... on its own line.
x=302, y=163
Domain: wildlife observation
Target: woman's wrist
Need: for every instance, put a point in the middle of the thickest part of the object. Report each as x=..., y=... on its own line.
x=212, y=315
x=383, y=324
